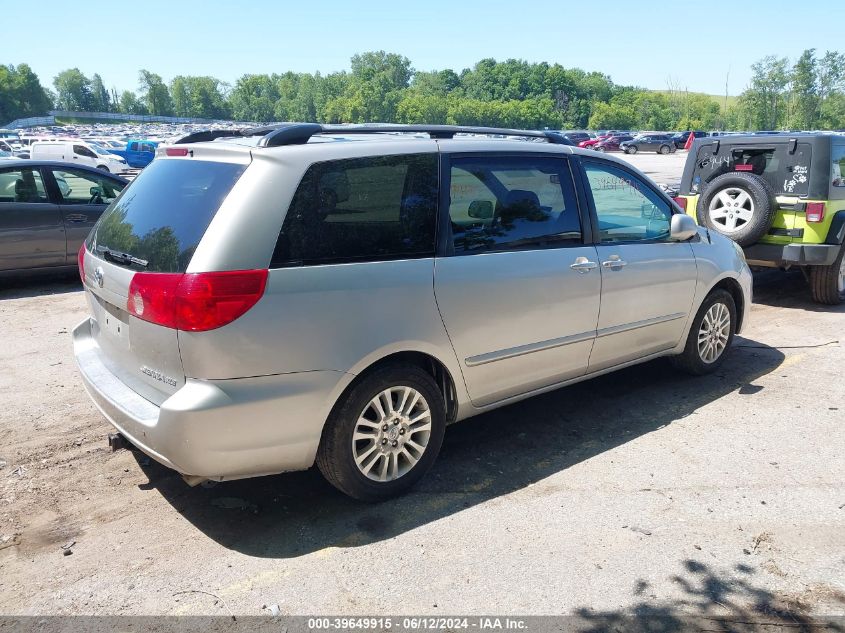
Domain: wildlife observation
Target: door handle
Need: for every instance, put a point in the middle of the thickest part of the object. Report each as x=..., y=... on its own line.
x=614, y=262
x=583, y=265
x=76, y=217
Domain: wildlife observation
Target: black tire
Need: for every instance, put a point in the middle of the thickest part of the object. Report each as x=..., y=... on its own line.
x=335, y=457
x=600, y=148
x=690, y=360
x=762, y=197
x=826, y=282
x=102, y=167
x=664, y=149
x=631, y=149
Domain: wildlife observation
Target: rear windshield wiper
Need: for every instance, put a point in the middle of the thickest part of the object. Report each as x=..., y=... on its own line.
x=124, y=259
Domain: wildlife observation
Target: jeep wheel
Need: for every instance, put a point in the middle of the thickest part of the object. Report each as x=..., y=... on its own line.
x=710, y=336
x=827, y=283
x=664, y=149
x=384, y=435
x=740, y=206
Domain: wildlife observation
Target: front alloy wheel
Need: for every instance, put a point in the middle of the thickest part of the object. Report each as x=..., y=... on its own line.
x=710, y=335
x=714, y=333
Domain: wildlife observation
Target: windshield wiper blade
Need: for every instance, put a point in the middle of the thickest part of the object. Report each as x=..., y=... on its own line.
x=124, y=259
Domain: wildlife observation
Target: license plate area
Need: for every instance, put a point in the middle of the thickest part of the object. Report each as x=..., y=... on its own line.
x=114, y=324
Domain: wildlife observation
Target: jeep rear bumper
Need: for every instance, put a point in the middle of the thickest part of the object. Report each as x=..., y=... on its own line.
x=791, y=254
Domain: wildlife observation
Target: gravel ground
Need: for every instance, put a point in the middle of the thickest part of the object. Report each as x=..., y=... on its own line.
x=643, y=491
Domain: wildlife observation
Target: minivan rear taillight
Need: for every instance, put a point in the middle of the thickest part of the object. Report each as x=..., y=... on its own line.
x=80, y=258
x=815, y=211
x=195, y=302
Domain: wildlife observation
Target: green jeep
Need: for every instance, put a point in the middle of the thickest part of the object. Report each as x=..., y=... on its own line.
x=780, y=197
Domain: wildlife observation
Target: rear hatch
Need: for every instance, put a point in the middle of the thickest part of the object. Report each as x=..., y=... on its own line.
x=153, y=227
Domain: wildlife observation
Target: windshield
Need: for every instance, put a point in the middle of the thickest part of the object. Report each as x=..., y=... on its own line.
x=100, y=149
x=161, y=217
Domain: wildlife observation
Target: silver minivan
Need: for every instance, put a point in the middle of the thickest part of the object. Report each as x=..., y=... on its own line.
x=264, y=299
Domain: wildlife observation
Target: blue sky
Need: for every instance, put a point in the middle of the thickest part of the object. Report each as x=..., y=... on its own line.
x=641, y=42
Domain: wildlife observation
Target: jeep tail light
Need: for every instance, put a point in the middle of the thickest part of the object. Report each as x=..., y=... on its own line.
x=681, y=202
x=743, y=167
x=815, y=211
x=80, y=258
x=195, y=302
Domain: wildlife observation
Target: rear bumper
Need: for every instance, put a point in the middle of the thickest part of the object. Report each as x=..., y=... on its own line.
x=216, y=429
x=791, y=254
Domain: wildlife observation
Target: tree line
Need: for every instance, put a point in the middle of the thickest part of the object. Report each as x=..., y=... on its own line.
x=380, y=86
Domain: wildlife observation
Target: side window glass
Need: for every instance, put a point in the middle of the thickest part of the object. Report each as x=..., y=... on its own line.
x=511, y=204
x=364, y=209
x=83, y=151
x=133, y=147
x=146, y=147
x=627, y=209
x=838, y=166
x=77, y=187
x=22, y=185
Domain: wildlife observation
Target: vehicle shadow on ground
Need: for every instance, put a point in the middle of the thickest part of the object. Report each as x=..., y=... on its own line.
x=787, y=289
x=36, y=286
x=482, y=458
x=710, y=600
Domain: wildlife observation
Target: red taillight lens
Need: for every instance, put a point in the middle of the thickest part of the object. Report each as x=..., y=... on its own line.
x=176, y=151
x=744, y=167
x=815, y=211
x=681, y=201
x=195, y=302
x=80, y=259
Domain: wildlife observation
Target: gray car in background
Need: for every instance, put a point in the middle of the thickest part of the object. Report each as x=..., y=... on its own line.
x=47, y=209
x=263, y=299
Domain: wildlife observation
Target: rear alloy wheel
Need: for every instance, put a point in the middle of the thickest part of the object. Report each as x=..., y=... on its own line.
x=827, y=283
x=710, y=336
x=385, y=434
x=664, y=149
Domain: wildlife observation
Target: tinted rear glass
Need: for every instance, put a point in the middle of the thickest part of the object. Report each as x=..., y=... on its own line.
x=163, y=214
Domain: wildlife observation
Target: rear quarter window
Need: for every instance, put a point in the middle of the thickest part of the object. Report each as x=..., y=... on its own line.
x=363, y=209
x=161, y=217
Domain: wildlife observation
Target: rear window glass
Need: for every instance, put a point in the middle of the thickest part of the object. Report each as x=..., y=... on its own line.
x=163, y=214
x=787, y=173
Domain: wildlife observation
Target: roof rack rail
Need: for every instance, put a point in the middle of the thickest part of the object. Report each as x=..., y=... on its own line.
x=298, y=133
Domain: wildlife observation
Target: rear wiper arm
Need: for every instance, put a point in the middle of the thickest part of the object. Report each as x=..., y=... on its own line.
x=124, y=259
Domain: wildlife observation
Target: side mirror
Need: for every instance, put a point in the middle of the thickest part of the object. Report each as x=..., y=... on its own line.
x=480, y=209
x=682, y=227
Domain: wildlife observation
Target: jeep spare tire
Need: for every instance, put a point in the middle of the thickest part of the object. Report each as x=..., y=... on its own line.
x=738, y=205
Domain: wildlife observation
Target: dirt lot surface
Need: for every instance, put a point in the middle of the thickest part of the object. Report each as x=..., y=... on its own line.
x=641, y=491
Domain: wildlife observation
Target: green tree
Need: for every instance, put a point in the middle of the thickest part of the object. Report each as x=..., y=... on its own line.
x=198, y=97
x=804, y=93
x=154, y=94
x=100, y=99
x=130, y=104
x=763, y=103
x=73, y=90
x=21, y=94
